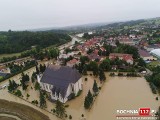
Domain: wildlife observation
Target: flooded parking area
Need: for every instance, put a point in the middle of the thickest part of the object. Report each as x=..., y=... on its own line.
x=117, y=93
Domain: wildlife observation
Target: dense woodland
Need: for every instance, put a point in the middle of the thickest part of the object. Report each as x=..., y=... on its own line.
x=13, y=42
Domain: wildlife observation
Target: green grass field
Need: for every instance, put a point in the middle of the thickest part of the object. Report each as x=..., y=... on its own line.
x=154, y=63
x=9, y=55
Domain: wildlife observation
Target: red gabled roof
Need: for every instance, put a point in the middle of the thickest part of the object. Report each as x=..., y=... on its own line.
x=123, y=56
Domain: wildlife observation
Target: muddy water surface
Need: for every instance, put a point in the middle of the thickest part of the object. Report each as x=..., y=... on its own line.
x=117, y=93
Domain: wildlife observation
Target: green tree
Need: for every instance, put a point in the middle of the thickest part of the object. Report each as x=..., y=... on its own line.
x=86, y=103
x=42, y=100
x=37, y=86
x=12, y=86
x=41, y=68
x=94, y=67
x=102, y=76
x=105, y=65
x=25, y=78
x=95, y=87
x=84, y=71
x=87, y=36
x=84, y=59
x=54, y=52
x=18, y=93
x=117, y=42
x=141, y=62
x=70, y=117
x=88, y=100
x=33, y=77
x=37, y=70
x=60, y=109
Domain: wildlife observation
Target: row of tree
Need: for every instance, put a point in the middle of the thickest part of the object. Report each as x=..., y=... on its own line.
x=40, y=69
x=13, y=42
x=88, y=100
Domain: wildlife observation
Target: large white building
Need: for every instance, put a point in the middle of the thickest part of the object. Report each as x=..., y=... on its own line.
x=156, y=52
x=62, y=82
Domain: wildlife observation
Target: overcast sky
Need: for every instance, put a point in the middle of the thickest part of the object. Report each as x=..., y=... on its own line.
x=29, y=14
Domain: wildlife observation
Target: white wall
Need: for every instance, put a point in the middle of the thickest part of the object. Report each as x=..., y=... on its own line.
x=76, y=87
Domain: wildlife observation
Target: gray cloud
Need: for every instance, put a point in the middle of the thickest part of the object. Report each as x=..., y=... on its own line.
x=29, y=14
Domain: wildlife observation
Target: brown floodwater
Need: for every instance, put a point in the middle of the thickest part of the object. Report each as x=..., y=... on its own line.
x=116, y=93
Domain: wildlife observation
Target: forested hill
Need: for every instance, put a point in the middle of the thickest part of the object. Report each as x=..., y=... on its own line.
x=13, y=42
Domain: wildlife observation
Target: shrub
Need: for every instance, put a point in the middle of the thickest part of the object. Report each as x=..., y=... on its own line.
x=28, y=95
x=112, y=74
x=72, y=96
x=79, y=93
x=82, y=115
x=70, y=117
x=153, y=88
x=66, y=106
x=120, y=74
x=18, y=93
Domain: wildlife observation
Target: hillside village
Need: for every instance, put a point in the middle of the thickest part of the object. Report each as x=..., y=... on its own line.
x=59, y=73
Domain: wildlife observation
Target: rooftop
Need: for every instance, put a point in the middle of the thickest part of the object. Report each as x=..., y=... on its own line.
x=143, y=53
x=60, y=77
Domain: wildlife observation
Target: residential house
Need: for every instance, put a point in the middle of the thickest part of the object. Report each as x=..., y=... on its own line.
x=94, y=57
x=127, y=41
x=151, y=47
x=72, y=62
x=4, y=69
x=126, y=57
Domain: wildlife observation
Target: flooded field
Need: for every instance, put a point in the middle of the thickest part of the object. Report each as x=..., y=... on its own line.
x=116, y=93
